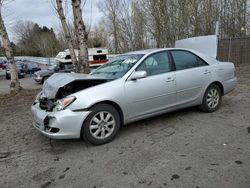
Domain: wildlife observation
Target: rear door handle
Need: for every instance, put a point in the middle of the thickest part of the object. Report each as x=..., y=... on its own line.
x=170, y=79
x=207, y=72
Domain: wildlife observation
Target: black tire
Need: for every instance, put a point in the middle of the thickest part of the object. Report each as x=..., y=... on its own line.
x=87, y=134
x=207, y=102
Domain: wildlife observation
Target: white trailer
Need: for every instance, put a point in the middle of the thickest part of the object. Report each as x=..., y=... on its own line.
x=97, y=56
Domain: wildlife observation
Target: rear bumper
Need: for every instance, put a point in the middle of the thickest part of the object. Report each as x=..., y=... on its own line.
x=229, y=85
x=65, y=124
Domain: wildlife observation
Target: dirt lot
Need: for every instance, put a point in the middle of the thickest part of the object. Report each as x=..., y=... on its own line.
x=26, y=83
x=181, y=149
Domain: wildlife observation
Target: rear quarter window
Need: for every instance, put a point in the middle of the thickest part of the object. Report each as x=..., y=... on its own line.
x=186, y=60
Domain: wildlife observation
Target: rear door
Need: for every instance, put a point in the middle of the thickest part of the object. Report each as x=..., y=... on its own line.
x=155, y=92
x=192, y=75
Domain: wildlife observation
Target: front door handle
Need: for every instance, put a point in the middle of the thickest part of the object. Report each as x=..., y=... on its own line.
x=169, y=79
x=207, y=72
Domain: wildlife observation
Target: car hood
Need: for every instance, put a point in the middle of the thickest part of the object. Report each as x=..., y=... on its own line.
x=60, y=85
x=42, y=72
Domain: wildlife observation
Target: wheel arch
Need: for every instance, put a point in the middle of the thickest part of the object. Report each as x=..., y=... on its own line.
x=220, y=85
x=115, y=105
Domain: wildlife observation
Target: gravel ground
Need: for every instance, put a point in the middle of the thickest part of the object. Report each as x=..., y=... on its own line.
x=27, y=83
x=187, y=148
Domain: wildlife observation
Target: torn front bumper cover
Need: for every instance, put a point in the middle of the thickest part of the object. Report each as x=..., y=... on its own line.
x=65, y=124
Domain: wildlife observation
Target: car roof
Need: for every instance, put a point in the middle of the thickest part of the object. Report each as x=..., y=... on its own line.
x=143, y=52
x=146, y=51
x=206, y=57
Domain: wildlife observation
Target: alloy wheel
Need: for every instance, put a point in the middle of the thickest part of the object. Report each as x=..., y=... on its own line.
x=102, y=125
x=213, y=98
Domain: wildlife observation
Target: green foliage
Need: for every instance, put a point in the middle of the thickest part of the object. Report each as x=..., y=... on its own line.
x=34, y=40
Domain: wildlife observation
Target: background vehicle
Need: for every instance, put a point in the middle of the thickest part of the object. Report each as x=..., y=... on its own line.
x=3, y=64
x=20, y=71
x=97, y=56
x=131, y=87
x=59, y=67
x=31, y=68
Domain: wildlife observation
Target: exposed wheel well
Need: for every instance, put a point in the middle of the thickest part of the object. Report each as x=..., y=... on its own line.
x=115, y=105
x=44, y=78
x=219, y=85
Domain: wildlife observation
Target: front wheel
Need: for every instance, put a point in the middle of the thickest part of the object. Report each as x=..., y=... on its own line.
x=212, y=99
x=102, y=124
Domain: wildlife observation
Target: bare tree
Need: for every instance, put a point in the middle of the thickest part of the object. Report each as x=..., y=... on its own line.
x=82, y=37
x=110, y=9
x=14, y=83
x=67, y=34
x=98, y=36
x=139, y=26
x=159, y=23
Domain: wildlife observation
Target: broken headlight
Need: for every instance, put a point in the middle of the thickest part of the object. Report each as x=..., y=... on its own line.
x=63, y=103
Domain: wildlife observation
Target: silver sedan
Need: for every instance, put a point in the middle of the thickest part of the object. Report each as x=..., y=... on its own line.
x=130, y=87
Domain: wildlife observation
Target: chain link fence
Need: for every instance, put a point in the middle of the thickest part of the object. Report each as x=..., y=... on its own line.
x=39, y=60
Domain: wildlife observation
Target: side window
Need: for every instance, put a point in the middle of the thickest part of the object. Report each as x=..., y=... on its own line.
x=201, y=62
x=155, y=64
x=67, y=57
x=186, y=60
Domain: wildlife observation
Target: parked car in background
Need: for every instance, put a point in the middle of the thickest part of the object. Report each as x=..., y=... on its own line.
x=3, y=64
x=41, y=76
x=130, y=87
x=31, y=68
x=20, y=71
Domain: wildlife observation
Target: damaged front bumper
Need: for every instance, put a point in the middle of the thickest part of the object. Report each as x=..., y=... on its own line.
x=64, y=124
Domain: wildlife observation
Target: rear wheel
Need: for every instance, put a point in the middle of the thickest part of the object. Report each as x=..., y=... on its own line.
x=102, y=124
x=212, y=99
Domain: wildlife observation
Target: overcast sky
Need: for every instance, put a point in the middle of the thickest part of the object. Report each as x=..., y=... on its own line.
x=43, y=13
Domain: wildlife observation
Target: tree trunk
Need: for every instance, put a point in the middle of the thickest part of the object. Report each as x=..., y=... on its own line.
x=115, y=33
x=14, y=83
x=82, y=37
x=67, y=34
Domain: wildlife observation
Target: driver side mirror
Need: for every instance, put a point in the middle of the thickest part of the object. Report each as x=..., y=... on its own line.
x=138, y=75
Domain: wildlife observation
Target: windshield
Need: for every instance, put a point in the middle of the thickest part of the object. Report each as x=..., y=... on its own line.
x=18, y=66
x=117, y=66
x=53, y=66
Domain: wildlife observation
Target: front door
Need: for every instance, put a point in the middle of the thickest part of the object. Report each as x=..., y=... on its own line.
x=154, y=93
